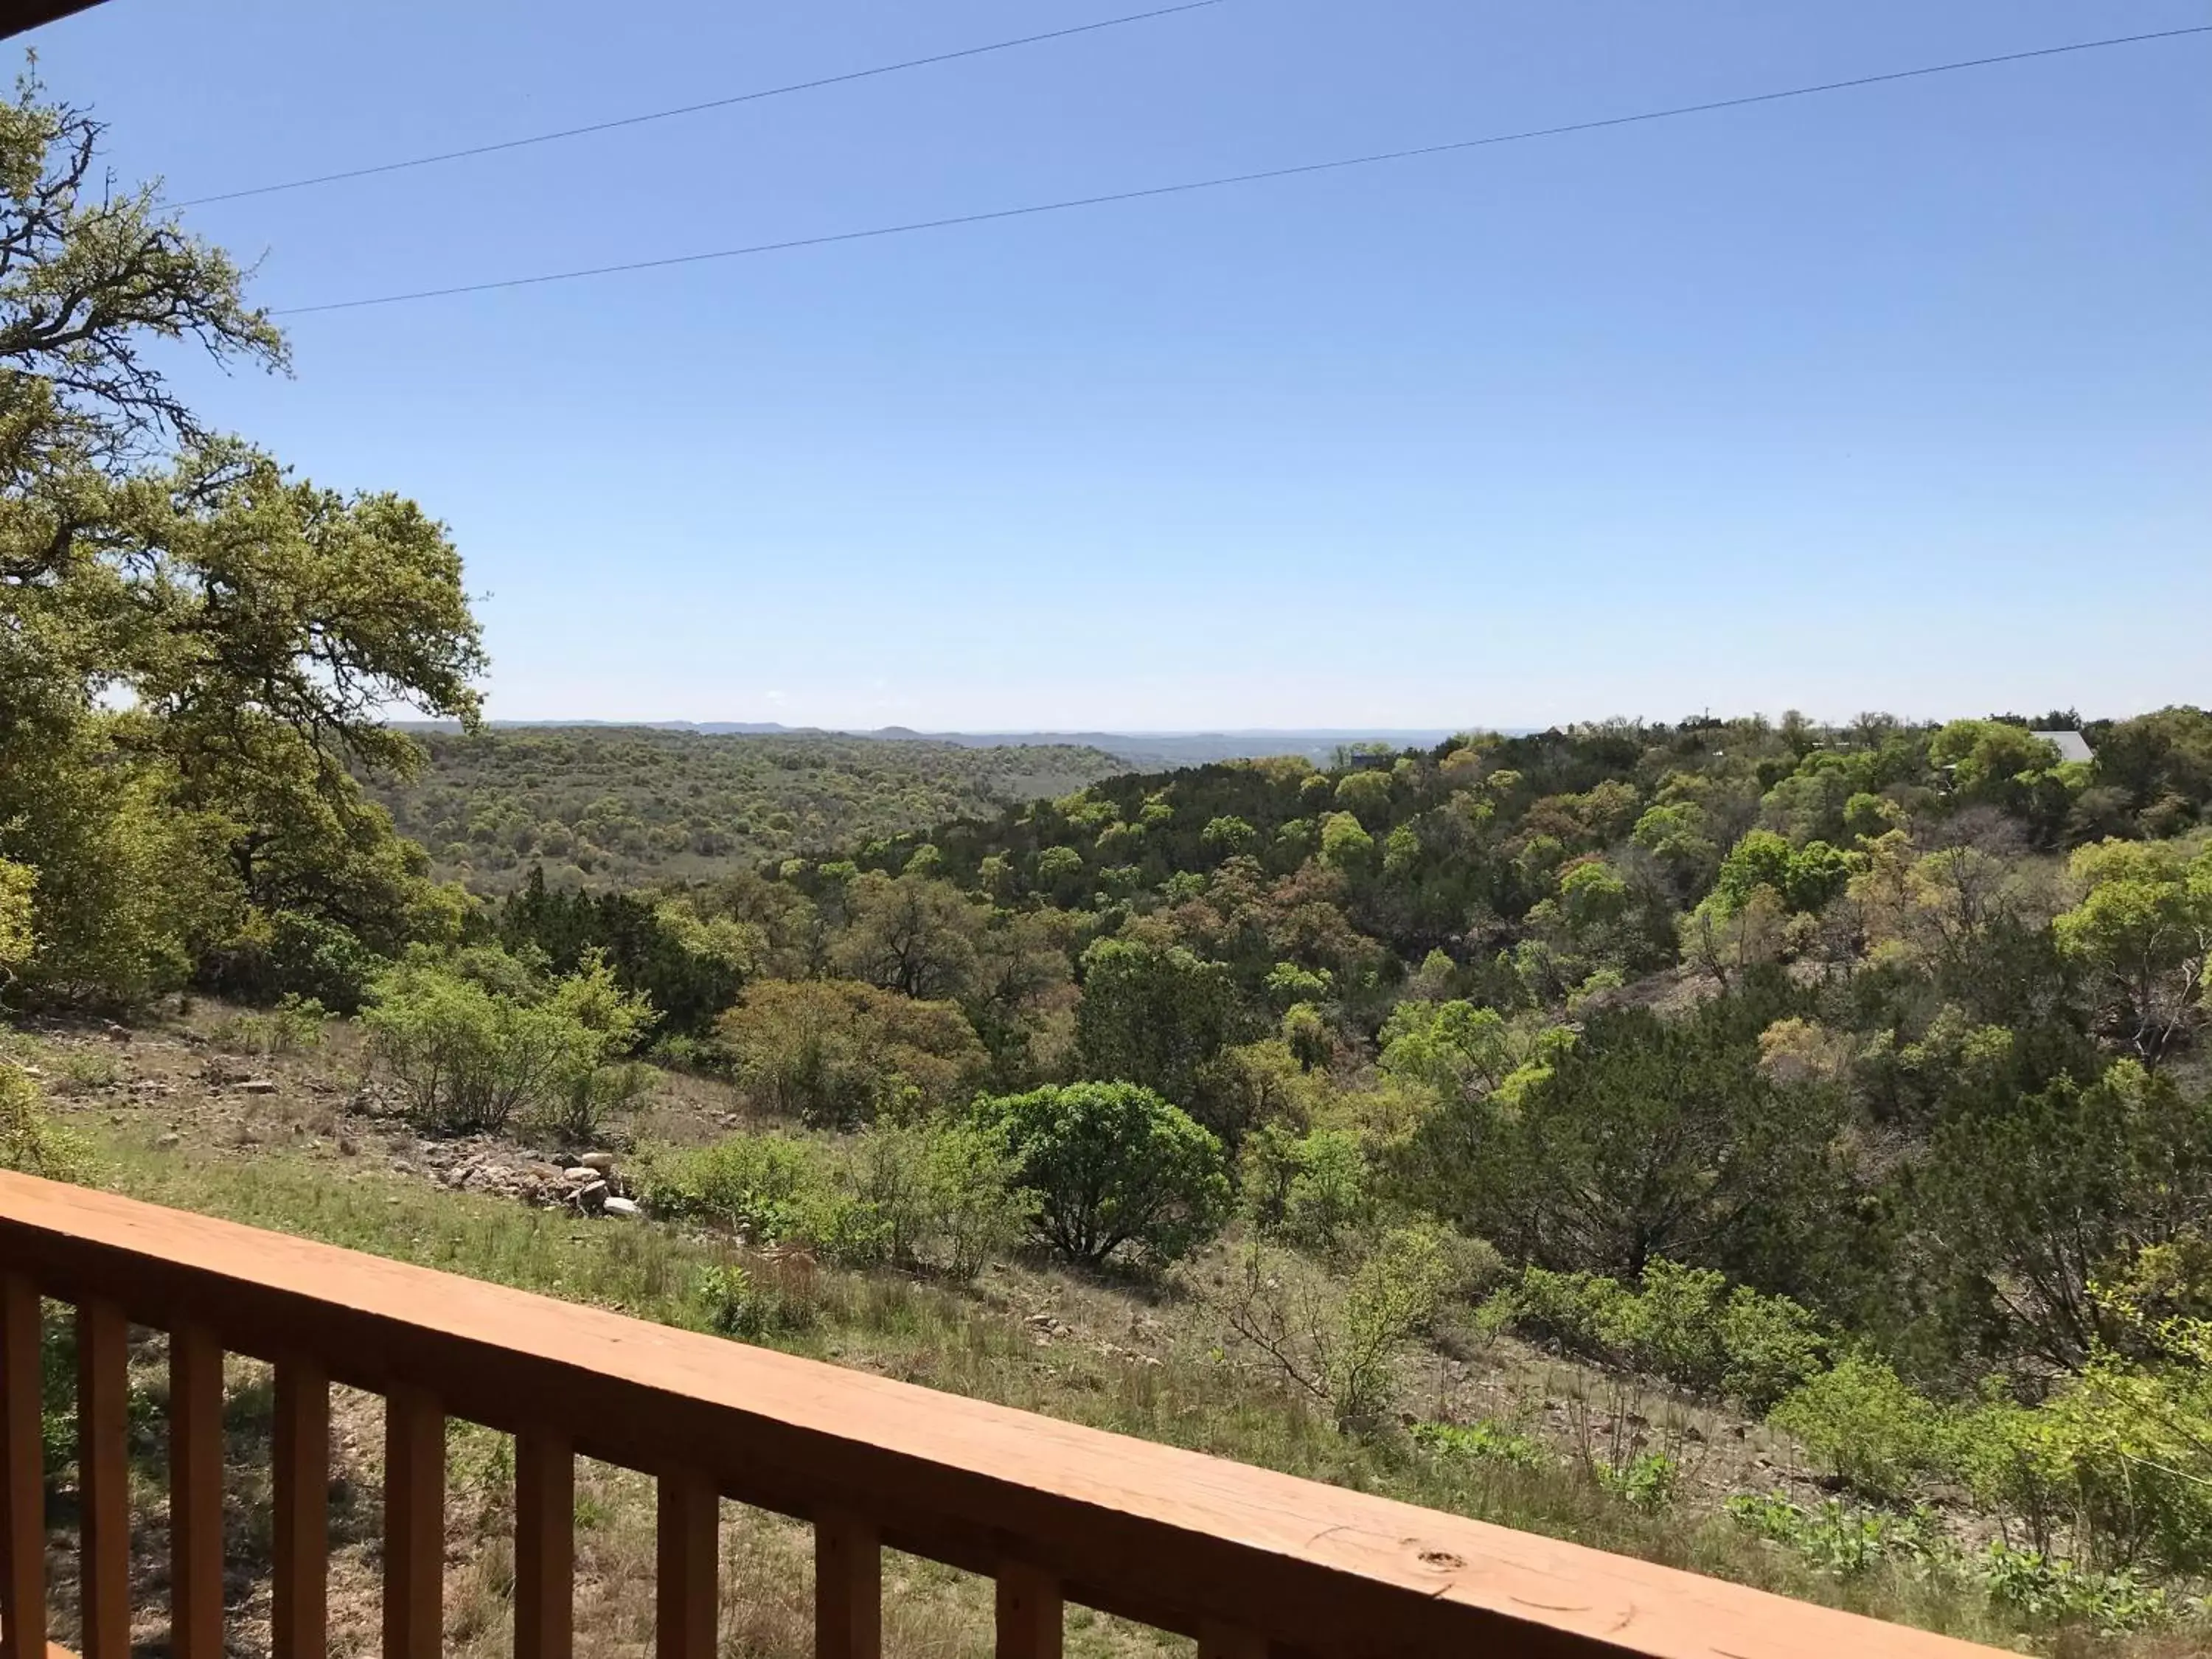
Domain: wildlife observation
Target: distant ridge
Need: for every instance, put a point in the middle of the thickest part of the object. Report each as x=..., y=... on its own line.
x=1145, y=749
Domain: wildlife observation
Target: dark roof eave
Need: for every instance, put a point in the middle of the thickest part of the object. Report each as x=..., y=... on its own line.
x=17, y=16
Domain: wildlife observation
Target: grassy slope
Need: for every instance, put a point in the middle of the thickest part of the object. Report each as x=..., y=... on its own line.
x=615, y=806
x=283, y=1163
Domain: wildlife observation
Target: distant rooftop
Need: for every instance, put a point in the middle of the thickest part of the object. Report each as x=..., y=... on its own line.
x=2071, y=745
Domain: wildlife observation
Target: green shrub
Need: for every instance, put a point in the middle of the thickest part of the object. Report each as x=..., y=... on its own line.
x=588, y=1097
x=1672, y=1327
x=31, y=1143
x=2039, y=1588
x=2047, y=1591
x=1112, y=1166
x=839, y=1227
x=295, y=1025
x=838, y=1052
x=1683, y=1325
x=1865, y=1426
x=972, y=1208
x=467, y=1057
x=1580, y=1312
x=1331, y=1192
x=87, y=1071
x=1482, y=1442
x=18, y=882
x=1647, y=1481
x=1770, y=1345
x=1309, y=1190
x=939, y=1193
x=751, y=1302
x=755, y=1185
x=1339, y=1341
x=1843, y=1540
x=292, y=954
x=2117, y=1461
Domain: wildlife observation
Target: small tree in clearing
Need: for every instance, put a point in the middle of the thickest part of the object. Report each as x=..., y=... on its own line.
x=1112, y=1165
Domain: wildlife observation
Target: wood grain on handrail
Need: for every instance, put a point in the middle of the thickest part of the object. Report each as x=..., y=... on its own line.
x=1179, y=1541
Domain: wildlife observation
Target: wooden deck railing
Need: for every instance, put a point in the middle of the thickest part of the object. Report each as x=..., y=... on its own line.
x=1250, y=1563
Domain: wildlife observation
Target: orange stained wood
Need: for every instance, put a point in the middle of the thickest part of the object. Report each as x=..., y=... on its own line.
x=1031, y=1619
x=195, y=1493
x=1188, y=1543
x=22, y=1483
x=848, y=1587
x=301, y=1527
x=684, y=1565
x=414, y=1523
x=103, y=1407
x=545, y=1546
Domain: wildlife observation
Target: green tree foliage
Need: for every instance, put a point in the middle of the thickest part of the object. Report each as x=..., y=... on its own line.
x=1154, y=1014
x=604, y=807
x=842, y=1052
x=1228, y=836
x=2003, y=765
x=2158, y=767
x=16, y=882
x=1345, y=845
x=1113, y=1167
x=198, y=648
x=910, y=934
x=1804, y=878
x=689, y=966
x=2025, y=1202
x=1316, y=1191
x=2143, y=930
x=31, y=1142
x=1647, y=1139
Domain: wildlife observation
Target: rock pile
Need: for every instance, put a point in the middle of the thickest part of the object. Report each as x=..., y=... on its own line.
x=590, y=1184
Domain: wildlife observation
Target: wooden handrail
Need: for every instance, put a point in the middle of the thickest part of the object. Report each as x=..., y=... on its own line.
x=1245, y=1560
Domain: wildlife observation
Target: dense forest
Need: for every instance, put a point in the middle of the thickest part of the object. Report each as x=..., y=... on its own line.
x=1851, y=1071
x=1852, y=1074
x=618, y=806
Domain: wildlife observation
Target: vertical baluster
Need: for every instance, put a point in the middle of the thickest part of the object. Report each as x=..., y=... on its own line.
x=414, y=1525
x=1217, y=1641
x=298, y=1621
x=195, y=1493
x=545, y=1546
x=103, y=1480
x=849, y=1589
x=23, y=1504
x=685, y=1593
x=1030, y=1623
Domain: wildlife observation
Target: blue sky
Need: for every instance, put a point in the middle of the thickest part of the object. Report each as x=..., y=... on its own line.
x=1896, y=398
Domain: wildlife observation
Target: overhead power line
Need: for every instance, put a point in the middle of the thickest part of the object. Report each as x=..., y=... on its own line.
x=701, y=108
x=1226, y=180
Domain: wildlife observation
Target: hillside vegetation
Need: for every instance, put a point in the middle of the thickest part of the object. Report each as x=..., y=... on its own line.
x=617, y=805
